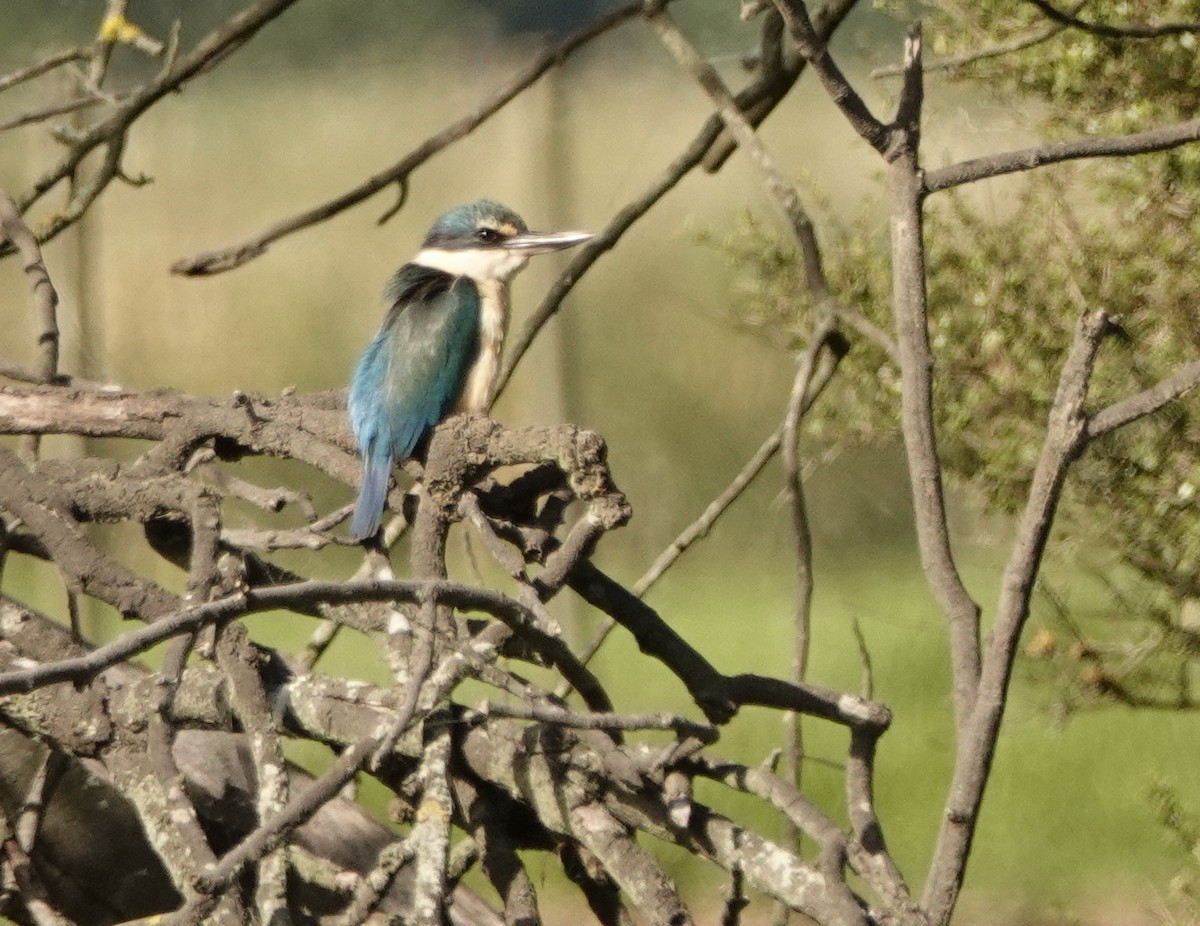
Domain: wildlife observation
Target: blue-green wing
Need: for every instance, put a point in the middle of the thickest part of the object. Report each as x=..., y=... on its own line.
x=411, y=375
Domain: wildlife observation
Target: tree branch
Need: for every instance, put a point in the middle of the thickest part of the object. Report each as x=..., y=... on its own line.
x=996, y=165
x=1066, y=436
x=1146, y=402
x=1131, y=31
x=815, y=50
x=910, y=302
x=231, y=256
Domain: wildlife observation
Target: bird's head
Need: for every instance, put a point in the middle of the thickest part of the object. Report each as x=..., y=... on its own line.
x=487, y=241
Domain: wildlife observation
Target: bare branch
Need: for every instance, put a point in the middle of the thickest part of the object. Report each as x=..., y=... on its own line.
x=268, y=835
x=173, y=622
x=1066, y=436
x=586, y=255
x=910, y=304
x=699, y=528
x=717, y=695
x=430, y=834
x=1130, y=31
x=1146, y=402
x=167, y=810
x=868, y=851
x=602, y=895
x=781, y=189
x=110, y=131
x=844, y=96
x=998, y=50
x=47, y=64
x=996, y=165
x=235, y=255
x=308, y=429
x=27, y=497
x=41, y=114
x=33, y=893
x=237, y=657
x=819, y=893
x=372, y=887
x=117, y=28
x=44, y=294
x=630, y=866
x=591, y=720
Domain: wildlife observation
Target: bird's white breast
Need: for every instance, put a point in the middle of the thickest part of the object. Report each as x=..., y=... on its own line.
x=479, y=390
x=490, y=270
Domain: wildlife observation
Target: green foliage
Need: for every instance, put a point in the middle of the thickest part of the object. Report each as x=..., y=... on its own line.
x=1096, y=83
x=1183, y=825
x=1006, y=287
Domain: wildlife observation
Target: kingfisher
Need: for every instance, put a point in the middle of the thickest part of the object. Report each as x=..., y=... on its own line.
x=438, y=350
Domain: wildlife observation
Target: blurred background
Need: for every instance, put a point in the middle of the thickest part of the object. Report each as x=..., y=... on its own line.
x=646, y=350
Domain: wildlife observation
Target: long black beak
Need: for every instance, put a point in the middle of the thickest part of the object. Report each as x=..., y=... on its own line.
x=545, y=242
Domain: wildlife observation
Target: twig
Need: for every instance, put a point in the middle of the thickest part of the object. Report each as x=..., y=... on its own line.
x=998, y=50
x=300, y=594
x=605, y=240
x=37, y=796
x=590, y=720
x=272, y=500
x=782, y=190
x=910, y=303
x=45, y=297
x=312, y=537
x=1130, y=31
x=268, y=834
x=802, y=535
x=840, y=91
x=1145, y=402
x=463, y=857
x=117, y=28
x=431, y=832
x=29, y=498
x=111, y=130
x=47, y=64
x=773, y=79
x=1066, y=436
x=238, y=659
x=35, y=897
x=235, y=255
x=410, y=672
x=996, y=165
x=586, y=255
x=511, y=562
x=719, y=696
x=371, y=888
x=55, y=109
x=699, y=528
x=867, y=689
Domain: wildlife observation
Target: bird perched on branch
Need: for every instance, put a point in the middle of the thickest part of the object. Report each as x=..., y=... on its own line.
x=438, y=351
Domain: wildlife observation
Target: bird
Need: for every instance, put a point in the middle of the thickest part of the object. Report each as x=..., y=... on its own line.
x=437, y=352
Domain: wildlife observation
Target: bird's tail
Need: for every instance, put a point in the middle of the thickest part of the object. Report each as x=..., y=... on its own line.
x=368, y=512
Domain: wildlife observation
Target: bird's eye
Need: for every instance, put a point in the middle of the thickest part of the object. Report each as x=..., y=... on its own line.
x=488, y=235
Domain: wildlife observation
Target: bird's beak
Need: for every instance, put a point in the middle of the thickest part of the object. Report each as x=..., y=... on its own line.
x=544, y=242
